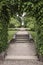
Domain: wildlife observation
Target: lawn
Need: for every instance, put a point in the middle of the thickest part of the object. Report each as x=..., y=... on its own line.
x=33, y=33
x=10, y=34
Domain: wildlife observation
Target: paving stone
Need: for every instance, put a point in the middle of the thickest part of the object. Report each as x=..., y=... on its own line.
x=21, y=62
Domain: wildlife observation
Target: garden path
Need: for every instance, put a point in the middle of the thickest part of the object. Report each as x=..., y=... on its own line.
x=22, y=51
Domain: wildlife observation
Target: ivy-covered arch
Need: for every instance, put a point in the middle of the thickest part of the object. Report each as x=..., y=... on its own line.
x=10, y=8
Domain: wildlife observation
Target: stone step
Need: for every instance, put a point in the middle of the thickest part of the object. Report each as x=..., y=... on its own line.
x=22, y=34
x=21, y=58
x=21, y=62
x=21, y=41
x=22, y=37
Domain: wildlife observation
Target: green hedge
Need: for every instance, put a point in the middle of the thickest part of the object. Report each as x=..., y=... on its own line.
x=39, y=38
x=4, y=19
x=3, y=36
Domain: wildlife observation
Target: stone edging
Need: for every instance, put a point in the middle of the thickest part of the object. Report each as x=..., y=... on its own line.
x=2, y=55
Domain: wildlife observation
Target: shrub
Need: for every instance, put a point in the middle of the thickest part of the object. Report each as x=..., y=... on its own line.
x=4, y=20
x=11, y=25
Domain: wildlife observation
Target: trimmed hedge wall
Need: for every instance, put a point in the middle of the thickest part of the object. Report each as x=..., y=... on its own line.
x=39, y=28
x=4, y=19
x=39, y=37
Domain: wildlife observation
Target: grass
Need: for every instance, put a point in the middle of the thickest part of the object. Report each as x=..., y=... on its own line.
x=10, y=34
x=33, y=33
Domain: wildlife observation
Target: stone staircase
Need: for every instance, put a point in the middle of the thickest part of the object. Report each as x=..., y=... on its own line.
x=21, y=49
x=22, y=38
x=21, y=52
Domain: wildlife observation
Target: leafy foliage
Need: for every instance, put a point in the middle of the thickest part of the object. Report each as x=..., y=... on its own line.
x=30, y=22
x=14, y=23
x=39, y=24
x=4, y=19
x=32, y=8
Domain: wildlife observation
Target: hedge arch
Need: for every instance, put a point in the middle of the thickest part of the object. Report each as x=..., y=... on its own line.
x=9, y=8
